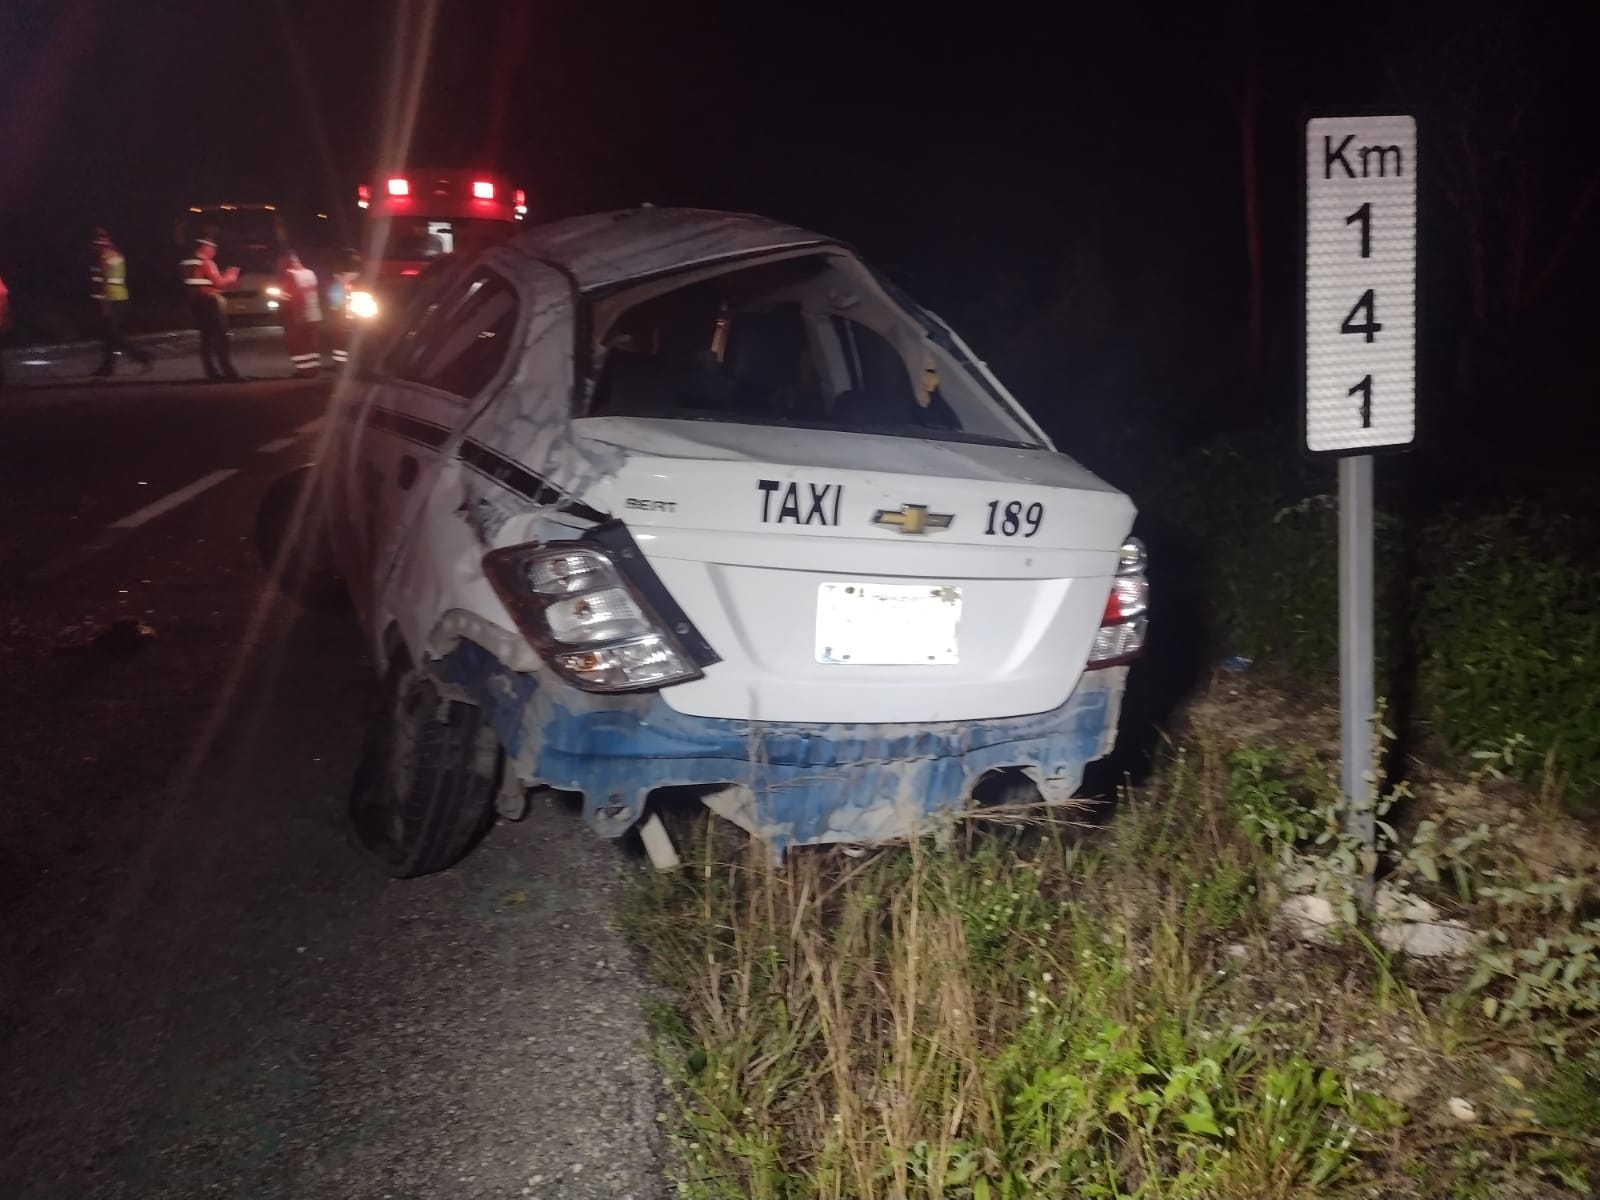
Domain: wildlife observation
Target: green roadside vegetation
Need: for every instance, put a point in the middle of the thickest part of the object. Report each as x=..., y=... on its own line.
x=1489, y=616
x=1173, y=995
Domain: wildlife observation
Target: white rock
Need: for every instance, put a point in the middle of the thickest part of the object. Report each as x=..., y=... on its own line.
x=1393, y=903
x=1410, y=925
x=1443, y=939
x=1462, y=1110
x=1310, y=916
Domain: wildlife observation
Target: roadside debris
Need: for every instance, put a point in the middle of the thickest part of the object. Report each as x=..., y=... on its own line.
x=124, y=635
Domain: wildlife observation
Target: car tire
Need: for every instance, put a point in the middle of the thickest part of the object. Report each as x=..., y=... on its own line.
x=424, y=791
x=291, y=535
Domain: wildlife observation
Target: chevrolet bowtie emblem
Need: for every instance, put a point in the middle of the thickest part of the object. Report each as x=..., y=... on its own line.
x=913, y=518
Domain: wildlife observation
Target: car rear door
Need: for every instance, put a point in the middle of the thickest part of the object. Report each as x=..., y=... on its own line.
x=460, y=345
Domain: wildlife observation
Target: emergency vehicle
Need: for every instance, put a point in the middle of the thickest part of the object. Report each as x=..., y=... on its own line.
x=675, y=499
x=254, y=236
x=416, y=215
x=250, y=236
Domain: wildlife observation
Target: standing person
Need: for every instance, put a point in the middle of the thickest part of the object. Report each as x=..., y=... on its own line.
x=344, y=282
x=302, y=316
x=205, y=284
x=108, y=288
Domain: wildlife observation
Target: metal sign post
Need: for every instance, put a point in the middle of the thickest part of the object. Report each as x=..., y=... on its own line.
x=1357, y=694
x=1360, y=379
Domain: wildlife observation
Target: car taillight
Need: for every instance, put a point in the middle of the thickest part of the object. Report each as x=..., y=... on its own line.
x=363, y=196
x=586, y=618
x=482, y=189
x=1120, y=637
x=399, y=187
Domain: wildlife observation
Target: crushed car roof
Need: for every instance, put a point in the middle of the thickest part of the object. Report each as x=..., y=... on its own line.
x=608, y=249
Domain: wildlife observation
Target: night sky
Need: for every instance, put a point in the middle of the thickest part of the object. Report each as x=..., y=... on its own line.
x=1045, y=182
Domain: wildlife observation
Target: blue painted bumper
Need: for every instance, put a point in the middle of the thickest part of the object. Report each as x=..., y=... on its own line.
x=806, y=783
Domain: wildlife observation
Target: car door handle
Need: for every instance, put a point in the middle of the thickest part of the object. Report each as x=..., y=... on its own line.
x=407, y=475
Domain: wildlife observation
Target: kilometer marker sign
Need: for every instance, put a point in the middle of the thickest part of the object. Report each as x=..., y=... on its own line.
x=1360, y=384
x=1361, y=283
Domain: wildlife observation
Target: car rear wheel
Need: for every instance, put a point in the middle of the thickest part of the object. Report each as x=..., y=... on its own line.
x=424, y=791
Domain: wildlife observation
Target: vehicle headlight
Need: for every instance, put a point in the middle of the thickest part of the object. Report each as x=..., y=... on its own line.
x=587, y=619
x=275, y=292
x=363, y=305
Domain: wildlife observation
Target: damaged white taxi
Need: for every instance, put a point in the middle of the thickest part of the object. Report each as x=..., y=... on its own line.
x=674, y=499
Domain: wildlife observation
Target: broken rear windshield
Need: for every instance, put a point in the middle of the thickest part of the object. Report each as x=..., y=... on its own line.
x=809, y=341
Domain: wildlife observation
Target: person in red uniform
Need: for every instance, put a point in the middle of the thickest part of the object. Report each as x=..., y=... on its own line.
x=302, y=315
x=205, y=283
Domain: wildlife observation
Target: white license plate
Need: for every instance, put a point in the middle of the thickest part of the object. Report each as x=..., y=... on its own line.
x=887, y=624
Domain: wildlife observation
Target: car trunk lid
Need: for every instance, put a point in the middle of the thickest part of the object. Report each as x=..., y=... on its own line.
x=849, y=577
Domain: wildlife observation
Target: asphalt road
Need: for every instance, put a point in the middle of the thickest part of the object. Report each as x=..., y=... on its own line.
x=204, y=991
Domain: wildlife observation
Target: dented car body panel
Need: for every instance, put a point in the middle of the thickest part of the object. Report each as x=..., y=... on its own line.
x=789, y=783
x=866, y=608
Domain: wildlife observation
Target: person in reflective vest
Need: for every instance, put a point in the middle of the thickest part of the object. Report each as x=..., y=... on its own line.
x=344, y=282
x=204, y=283
x=108, y=288
x=302, y=315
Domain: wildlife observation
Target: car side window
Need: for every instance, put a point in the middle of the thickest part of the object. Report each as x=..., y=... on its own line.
x=461, y=341
x=434, y=299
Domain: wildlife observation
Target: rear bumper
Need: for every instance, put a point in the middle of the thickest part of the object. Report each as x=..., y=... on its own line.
x=789, y=783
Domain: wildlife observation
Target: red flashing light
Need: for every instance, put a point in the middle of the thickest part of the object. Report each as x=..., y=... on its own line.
x=399, y=187
x=411, y=271
x=363, y=192
x=482, y=189
x=522, y=198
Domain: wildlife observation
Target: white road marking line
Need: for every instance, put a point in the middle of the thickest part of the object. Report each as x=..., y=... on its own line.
x=169, y=502
x=165, y=505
